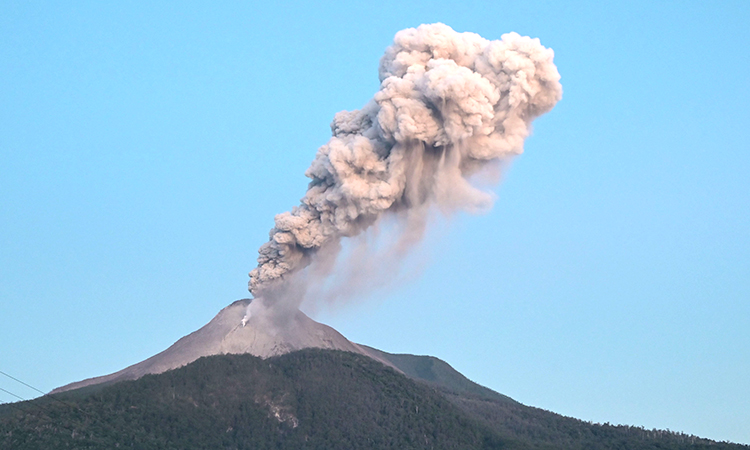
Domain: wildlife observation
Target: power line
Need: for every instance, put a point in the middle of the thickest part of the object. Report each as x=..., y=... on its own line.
x=37, y=405
x=14, y=406
x=42, y=407
x=27, y=385
x=14, y=395
x=44, y=394
x=17, y=406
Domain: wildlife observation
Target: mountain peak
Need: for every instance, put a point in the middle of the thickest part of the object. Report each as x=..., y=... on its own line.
x=234, y=331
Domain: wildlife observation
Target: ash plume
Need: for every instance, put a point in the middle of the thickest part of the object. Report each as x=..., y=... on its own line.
x=449, y=105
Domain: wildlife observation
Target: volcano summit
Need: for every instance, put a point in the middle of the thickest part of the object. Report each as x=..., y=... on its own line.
x=230, y=333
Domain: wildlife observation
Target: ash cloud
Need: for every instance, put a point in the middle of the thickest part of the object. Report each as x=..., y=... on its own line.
x=450, y=105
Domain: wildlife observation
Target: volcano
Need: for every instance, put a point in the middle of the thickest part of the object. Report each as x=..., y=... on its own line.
x=252, y=381
x=230, y=332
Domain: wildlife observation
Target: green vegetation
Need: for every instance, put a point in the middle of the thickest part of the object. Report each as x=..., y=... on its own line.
x=536, y=428
x=311, y=399
x=438, y=373
x=541, y=429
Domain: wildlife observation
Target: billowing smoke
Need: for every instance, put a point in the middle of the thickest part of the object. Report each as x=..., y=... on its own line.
x=449, y=105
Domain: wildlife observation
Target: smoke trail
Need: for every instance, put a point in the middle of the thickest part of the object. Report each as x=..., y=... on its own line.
x=449, y=104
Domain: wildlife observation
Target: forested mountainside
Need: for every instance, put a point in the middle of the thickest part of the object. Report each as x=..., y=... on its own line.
x=309, y=399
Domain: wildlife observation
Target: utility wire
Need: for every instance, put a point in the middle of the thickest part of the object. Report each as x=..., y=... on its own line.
x=44, y=394
x=37, y=405
x=14, y=395
x=40, y=406
x=13, y=405
x=27, y=385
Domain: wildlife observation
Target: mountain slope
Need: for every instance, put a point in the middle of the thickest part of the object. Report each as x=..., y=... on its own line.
x=227, y=333
x=307, y=399
x=310, y=399
x=436, y=372
x=208, y=391
x=536, y=427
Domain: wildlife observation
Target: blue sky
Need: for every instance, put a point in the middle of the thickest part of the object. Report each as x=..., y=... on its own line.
x=144, y=151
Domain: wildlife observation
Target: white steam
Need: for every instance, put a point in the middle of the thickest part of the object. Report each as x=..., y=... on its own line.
x=449, y=105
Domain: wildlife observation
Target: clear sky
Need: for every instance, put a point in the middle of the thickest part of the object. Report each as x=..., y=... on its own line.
x=144, y=151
